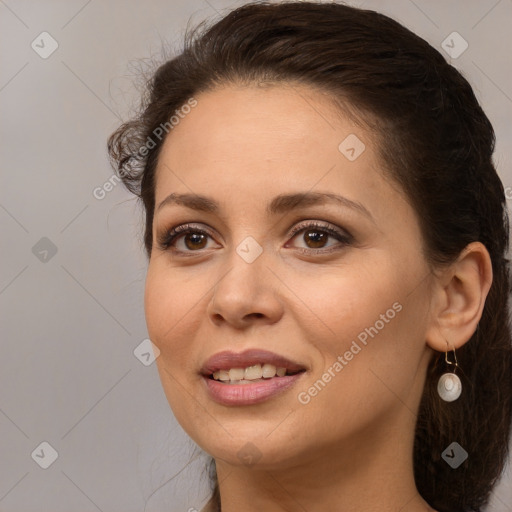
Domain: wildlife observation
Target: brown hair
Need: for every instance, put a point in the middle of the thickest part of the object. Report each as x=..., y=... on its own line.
x=438, y=146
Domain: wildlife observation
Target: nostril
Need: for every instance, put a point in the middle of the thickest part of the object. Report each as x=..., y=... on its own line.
x=255, y=315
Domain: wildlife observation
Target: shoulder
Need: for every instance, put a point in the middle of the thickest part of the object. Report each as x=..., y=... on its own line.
x=210, y=506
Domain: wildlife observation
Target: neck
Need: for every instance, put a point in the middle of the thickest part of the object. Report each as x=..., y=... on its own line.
x=372, y=471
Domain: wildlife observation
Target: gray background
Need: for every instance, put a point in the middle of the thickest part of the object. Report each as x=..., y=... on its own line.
x=70, y=321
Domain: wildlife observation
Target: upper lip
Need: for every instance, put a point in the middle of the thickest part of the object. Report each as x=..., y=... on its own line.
x=226, y=360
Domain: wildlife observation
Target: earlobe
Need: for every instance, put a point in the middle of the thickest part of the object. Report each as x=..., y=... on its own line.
x=459, y=295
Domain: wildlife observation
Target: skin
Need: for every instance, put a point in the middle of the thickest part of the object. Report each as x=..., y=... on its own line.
x=350, y=447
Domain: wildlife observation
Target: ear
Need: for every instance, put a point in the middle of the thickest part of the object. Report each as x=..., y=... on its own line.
x=458, y=298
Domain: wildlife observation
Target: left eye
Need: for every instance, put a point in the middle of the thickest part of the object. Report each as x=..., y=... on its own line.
x=315, y=236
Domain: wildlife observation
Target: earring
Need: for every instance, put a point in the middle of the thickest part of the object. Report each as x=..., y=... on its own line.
x=449, y=386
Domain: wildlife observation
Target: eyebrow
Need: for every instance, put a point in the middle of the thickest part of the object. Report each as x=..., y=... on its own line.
x=280, y=204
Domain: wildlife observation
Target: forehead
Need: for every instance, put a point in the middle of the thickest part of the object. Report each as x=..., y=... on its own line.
x=290, y=131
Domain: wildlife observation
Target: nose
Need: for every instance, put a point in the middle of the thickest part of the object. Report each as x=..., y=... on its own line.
x=246, y=294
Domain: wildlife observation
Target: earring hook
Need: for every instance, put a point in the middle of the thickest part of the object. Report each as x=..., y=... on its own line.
x=454, y=362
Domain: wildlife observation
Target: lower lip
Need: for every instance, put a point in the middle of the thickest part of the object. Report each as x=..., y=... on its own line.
x=249, y=394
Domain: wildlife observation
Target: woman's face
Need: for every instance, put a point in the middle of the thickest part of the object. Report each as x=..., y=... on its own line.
x=346, y=299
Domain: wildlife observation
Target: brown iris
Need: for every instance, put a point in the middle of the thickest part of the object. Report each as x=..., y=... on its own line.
x=316, y=237
x=198, y=240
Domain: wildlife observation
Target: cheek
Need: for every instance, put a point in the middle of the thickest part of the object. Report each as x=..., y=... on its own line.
x=372, y=342
x=343, y=302
x=169, y=308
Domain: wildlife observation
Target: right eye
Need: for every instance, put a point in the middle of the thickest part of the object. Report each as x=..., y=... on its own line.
x=184, y=238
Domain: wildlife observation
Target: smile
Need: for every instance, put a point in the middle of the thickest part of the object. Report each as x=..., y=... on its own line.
x=240, y=392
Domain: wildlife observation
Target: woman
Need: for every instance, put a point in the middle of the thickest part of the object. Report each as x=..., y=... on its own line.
x=327, y=283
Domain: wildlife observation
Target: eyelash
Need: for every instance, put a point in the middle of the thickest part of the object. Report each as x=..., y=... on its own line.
x=166, y=239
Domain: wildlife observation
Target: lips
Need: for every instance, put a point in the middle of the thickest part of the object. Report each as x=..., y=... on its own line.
x=227, y=360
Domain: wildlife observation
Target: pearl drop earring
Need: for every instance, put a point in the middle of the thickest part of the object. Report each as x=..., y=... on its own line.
x=449, y=386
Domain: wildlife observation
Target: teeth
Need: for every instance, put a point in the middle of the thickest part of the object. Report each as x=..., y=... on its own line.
x=221, y=375
x=268, y=371
x=255, y=372
x=236, y=374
